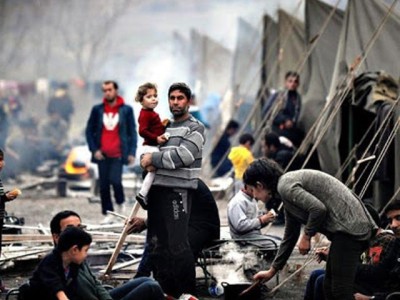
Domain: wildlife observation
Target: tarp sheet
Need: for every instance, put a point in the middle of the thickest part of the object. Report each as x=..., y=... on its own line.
x=291, y=45
x=210, y=66
x=361, y=20
x=270, y=55
x=246, y=71
x=319, y=67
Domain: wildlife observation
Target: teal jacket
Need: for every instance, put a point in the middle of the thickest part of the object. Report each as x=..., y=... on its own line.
x=88, y=287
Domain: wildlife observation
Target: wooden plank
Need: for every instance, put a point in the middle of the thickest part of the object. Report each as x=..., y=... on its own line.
x=123, y=265
x=121, y=241
x=13, y=238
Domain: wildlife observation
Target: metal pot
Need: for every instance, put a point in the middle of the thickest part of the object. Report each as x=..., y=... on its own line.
x=232, y=291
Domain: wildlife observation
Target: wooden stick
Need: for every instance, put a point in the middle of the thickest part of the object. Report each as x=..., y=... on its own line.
x=116, y=214
x=24, y=254
x=121, y=241
x=123, y=265
x=251, y=287
x=290, y=277
x=40, y=238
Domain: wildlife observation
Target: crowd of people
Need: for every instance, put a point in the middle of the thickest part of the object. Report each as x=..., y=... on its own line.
x=182, y=215
x=28, y=141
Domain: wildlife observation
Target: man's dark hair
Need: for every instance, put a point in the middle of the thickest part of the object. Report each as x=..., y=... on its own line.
x=181, y=86
x=111, y=82
x=72, y=236
x=265, y=171
x=232, y=124
x=55, y=227
x=272, y=139
x=395, y=205
x=1, y=153
x=246, y=137
x=292, y=74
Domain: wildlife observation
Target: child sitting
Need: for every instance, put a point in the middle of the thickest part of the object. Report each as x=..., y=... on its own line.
x=55, y=276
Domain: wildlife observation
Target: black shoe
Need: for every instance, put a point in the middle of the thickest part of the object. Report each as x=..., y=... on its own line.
x=142, y=201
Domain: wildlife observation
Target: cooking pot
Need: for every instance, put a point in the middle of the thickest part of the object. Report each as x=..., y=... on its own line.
x=233, y=290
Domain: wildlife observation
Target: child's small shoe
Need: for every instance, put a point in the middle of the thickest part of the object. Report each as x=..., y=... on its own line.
x=142, y=201
x=187, y=297
x=3, y=289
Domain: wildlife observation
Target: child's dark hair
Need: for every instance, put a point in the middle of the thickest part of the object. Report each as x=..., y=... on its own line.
x=1, y=153
x=265, y=171
x=272, y=139
x=232, y=124
x=183, y=87
x=395, y=205
x=246, y=137
x=55, y=226
x=142, y=91
x=292, y=74
x=72, y=236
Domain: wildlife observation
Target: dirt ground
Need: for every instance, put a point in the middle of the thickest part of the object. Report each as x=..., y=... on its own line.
x=38, y=206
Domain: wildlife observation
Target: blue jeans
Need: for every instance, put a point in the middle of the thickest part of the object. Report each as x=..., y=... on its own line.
x=315, y=286
x=143, y=288
x=110, y=174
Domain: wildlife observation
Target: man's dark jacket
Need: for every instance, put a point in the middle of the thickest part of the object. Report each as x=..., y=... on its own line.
x=127, y=130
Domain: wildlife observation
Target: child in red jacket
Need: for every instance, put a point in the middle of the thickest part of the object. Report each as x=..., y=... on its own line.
x=151, y=129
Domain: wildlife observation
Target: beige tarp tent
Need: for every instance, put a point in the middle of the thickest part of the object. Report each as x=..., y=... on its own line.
x=361, y=21
x=291, y=44
x=210, y=65
x=210, y=69
x=319, y=67
x=270, y=55
x=246, y=70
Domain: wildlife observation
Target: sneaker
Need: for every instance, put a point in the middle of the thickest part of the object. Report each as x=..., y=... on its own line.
x=108, y=219
x=187, y=297
x=142, y=201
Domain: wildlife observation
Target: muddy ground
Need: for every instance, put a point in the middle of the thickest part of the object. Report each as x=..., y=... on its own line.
x=38, y=206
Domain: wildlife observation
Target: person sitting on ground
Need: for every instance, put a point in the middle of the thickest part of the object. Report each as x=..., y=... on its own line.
x=241, y=157
x=275, y=150
x=246, y=220
x=279, y=149
x=88, y=287
x=389, y=274
x=54, y=137
x=245, y=223
x=55, y=276
x=219, y=155
x=204, y=226
x=374, y=269
x=284, y=108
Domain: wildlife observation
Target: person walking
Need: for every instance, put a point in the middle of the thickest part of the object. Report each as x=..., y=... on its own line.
x=112, y=138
